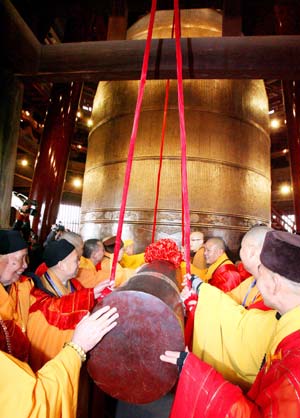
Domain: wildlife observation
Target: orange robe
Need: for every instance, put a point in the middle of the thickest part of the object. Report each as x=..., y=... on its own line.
x=199, y=259
x=14, y=308
x=52, y=318
x=88, y=275
x=51, y=393
x=122, y=274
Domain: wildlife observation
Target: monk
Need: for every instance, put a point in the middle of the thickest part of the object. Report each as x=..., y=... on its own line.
x=53, y=391
x=247, y=293
x=58, y=303
x=197, y=250
x=221, y=272
x=14, y=294
x=203, y=392
x=93, y=253
x=122, y=274
x=129, y=258
x=224, y=331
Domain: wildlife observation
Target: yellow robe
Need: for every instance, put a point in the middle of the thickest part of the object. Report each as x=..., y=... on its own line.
x=205, y=274
x=51, y=393
x=199, y=259
x=240, y=292
x=15, y=304
x=87, y=275
x=122, y=274
x=229, y=337
x=132, y=261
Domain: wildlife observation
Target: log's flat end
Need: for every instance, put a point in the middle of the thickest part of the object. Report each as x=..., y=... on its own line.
x=126, y=363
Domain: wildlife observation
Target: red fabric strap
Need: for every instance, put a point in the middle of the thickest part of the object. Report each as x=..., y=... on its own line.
x=185, y=199
x=132, y=140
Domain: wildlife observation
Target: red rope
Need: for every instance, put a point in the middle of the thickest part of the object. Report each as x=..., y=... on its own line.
x=185, y=199
x=160, y=159
x=132, y=139
x=161, y=150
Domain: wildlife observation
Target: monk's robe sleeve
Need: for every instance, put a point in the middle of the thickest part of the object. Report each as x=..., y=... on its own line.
x=50, y=393
x=229, y=337
x=203, y=392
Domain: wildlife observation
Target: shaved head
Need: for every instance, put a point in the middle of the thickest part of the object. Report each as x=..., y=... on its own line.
x=251, y=247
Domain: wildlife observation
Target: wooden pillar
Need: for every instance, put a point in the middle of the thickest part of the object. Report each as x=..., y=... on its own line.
x=11, y=97
x=52, y=159
x=287, y=19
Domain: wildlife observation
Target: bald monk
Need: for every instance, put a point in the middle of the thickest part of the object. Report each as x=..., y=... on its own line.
x=203, y=392
x=93, y=253
x=221, y=272
x=122, y=274
x=197, y=250
x=225, y=332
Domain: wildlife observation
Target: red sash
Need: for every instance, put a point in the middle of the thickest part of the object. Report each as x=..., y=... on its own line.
x=13, y=340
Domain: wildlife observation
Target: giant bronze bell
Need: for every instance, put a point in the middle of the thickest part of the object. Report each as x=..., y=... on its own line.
x=228, y=151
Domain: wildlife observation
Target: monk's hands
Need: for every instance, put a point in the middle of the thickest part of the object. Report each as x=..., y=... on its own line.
x=170, y=357
x=100, y=287
x=175, y=357
x=92, y=328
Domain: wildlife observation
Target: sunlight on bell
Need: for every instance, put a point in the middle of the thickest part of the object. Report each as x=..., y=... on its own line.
x=77, y=183
x=285, y=189
x=275, y=123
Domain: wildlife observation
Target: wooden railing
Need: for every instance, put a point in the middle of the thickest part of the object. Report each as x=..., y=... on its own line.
x=282, y=222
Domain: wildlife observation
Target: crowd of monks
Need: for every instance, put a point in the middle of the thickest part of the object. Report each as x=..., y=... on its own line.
x=241, y=327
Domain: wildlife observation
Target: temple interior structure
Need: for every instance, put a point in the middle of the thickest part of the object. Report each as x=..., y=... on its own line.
x=69, y=81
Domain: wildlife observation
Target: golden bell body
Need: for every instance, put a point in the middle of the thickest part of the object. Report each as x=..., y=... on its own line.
x=228, y=151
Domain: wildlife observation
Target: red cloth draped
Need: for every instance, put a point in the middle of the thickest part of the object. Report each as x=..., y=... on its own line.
x=242, y=271
x=66, y=311
x=189, y=320
x=13, y=340
x=275, y=393
x=226, y=277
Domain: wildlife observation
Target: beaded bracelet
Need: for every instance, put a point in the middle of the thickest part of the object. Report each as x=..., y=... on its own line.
x=78, y=350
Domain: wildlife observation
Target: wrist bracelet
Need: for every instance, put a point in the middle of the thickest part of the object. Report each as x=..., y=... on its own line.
x=78, y=350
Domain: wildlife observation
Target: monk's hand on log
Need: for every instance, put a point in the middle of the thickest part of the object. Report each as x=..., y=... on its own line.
x=196, y=282
x=92, y=328
x=175, y=357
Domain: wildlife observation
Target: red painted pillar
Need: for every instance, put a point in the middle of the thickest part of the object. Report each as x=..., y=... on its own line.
x=52, y=159
x=287, y=23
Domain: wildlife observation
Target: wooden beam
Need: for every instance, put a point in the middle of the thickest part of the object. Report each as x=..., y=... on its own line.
x=20, y=49
x=255, y=57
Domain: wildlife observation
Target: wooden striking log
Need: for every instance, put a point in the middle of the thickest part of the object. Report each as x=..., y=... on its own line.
x=126, y=363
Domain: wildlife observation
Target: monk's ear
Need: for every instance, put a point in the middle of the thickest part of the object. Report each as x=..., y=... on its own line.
x=277, y=283
x=60, y=264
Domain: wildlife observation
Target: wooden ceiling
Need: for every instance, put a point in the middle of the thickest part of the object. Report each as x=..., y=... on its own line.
x=48, y=19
